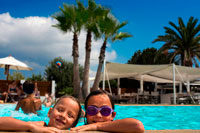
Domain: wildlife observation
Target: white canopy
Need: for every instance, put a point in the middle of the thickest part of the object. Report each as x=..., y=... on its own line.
x=13, y=63
x=152, y=73
x=169, y=73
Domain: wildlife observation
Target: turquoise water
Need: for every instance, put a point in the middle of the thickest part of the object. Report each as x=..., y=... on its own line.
x=153, y=117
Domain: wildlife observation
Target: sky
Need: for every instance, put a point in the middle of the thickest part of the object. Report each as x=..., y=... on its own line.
x=27, y=34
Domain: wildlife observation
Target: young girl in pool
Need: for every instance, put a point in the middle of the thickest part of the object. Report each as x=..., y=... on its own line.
x=64, y=115
x=100, y=115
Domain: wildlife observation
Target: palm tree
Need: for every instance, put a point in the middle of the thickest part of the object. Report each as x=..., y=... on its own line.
x=109, y=27
x=182, y=41
x=94, y=13
x=70, y=19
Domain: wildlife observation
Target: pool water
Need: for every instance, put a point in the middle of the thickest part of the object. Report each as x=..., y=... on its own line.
x=162, y=117
x=7, y=110
x=153, y=117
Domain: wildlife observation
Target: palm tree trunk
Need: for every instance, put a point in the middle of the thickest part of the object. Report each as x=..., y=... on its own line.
x=76, y=76
x=187, y=59
x=101, y=60
x=182, y=59
x=87, y=65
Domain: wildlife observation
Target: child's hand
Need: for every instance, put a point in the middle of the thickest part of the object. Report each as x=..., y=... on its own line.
x=46, y=95
x=41, y=129
x=46, y=130
x=89, y=127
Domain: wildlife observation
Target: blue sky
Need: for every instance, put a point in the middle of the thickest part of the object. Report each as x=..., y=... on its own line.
x=26, y=32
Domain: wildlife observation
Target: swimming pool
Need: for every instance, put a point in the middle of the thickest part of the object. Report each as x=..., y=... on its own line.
x=153, y=117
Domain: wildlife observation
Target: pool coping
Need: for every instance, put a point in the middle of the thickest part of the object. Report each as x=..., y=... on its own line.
x=146, y=131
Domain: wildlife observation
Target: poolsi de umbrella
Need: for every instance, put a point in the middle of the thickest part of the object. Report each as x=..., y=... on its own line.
x=12, y=63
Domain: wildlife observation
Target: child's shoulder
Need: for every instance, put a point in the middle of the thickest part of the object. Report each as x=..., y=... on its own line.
x=27, y=100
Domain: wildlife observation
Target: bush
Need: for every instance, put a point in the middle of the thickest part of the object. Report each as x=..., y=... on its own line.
x=67, y=90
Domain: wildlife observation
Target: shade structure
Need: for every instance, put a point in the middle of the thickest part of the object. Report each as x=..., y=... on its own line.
x=12, y=63
x=152, y=73
x=169, y=73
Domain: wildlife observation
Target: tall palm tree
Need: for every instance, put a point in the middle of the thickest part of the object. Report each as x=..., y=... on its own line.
x=70, y=19
x=182, y=41
x=109, y=27
x=94, y=13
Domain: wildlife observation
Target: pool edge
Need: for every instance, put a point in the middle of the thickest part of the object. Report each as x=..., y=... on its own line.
x=146, y=131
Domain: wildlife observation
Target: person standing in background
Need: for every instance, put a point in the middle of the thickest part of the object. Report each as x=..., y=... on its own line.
x=36, y=91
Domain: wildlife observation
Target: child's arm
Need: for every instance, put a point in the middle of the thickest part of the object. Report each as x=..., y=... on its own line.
x=45, y=99
x=18, y=105
x=9, y=123
x=12, y=124
x=128, y=125
x=37, y=104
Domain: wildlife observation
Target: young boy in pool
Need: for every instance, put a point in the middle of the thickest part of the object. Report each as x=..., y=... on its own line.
x=64, y=115
x=29, y=104
x=100, y=115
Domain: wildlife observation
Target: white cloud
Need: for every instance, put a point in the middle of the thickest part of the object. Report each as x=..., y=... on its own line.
x=35, y=41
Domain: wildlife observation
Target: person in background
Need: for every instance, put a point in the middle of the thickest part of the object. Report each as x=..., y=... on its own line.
x=12, y=91
x=36, y=91
x=100, y=115
x=29, y=104
x=64, y=115
x=20, y=91
x=3, y=97
x=12, y=87
x=48, y=101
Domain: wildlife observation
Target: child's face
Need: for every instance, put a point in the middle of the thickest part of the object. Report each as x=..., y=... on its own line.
x=64, y=114
x=49, y=99
x=99, y=101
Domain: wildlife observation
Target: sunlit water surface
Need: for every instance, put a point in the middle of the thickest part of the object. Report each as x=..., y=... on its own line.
x=153, y=117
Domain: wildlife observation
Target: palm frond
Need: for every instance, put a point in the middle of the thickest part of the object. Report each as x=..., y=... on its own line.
x=121, y=36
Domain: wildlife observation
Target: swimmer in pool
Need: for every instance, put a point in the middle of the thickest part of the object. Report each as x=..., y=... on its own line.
x=100, y=115
x=29, y=104
x=64, y=115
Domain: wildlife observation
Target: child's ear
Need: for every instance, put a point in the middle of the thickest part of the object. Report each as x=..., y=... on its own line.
x=113, y=115
x=49, y=113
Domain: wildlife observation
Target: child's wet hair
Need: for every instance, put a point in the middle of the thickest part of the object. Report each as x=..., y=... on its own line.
x=28, y=87
x=77, y=101
x=99, y=92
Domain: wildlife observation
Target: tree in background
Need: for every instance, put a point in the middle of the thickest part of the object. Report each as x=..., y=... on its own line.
x=71, y=19
x=94, y=14
x=63, y=75
x=35, y=77
x=109, y=29
x=149, y=56
x=182, y=41
x=16, y=76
